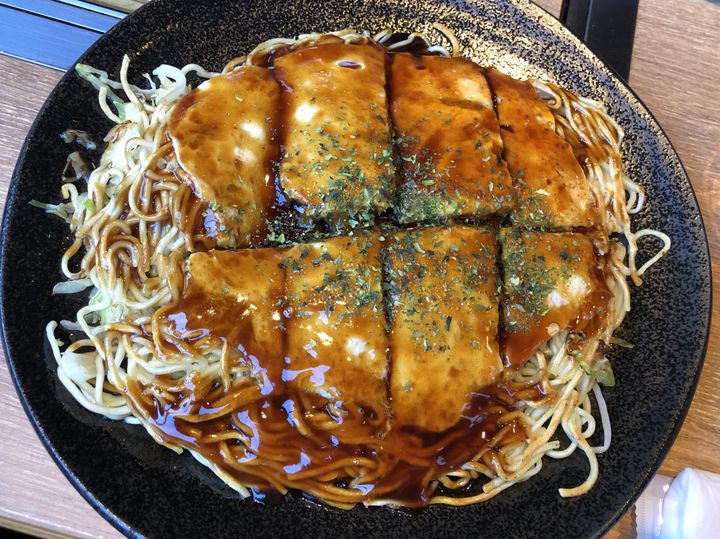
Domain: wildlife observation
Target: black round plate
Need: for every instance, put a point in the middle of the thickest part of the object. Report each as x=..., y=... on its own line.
x=145, y=489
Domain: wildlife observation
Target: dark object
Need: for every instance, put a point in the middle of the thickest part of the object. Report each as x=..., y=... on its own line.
x=143, y=488
x=606, y=26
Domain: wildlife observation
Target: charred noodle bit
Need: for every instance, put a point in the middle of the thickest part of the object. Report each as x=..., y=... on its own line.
x=251, y=396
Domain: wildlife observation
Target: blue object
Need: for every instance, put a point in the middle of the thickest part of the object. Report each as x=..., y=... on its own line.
x=53, y=33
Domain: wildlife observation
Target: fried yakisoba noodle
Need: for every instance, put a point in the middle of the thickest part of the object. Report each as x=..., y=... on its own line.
x=551, y=188
x=448, y=140
x=392, y=365
x=224, y=136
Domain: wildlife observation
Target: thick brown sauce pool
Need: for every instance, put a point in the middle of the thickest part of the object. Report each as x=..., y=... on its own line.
x=273, y=452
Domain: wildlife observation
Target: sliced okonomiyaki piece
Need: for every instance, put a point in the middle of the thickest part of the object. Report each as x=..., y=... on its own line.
x=553, y=282
x=337, y=345
x=442, y=289
x=231, y=303
x=552, y=189
x=448, y=140
x=223, y=133
x=336, y=161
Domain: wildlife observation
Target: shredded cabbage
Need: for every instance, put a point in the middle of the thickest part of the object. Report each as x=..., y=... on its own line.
x=99, y=79
x=81, y=137
x=71, y=287
x=61, y=210
x=173, y=83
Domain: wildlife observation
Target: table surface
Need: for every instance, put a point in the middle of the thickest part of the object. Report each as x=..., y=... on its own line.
x=675, y=71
